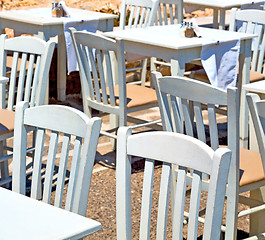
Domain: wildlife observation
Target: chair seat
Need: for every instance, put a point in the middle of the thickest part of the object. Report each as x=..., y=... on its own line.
x=202, y=76
x=137, y=96
x=251, y=167
x=7, y=121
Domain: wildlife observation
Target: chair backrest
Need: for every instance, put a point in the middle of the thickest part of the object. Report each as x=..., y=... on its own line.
x=97, y=72
x=177, y=96
x=170, y=149
x=257, y=111
x=78, y=135
x=169, y=12
x=138, y=13
x=31, y=59
x=251, y=21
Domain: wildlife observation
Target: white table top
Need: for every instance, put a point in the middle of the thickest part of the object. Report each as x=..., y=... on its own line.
x=169, y=37
x=220, y=3
x=258, y=87
x=22, y=16
x=25, y=218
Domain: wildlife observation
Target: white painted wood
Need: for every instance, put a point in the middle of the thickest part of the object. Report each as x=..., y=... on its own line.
x=203, y=93
x=47, y=222
x=175, y=151
x=27, y=80
x=173, y=8
x=253, y=22
x=99, y=94
x=53, y=118
x=45, y=28
x=142, y=13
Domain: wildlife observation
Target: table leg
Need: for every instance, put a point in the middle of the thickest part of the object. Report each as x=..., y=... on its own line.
x=61, y=71
x=215, y=18
x=177, y=67
x=222, y=19
x=244, y=64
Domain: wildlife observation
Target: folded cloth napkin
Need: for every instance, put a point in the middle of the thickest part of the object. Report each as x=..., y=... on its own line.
x=220, y=62
x=219, y=58
x=84, y=22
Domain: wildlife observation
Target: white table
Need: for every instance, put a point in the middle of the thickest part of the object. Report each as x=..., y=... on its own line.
x=164, y=42
x=218, y=5
x=45, y=28
x=25, y=218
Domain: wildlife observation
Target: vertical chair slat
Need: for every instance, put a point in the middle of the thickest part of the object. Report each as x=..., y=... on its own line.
x=166, y=117
x=95, y=74
x=138, y=17
x=255, y=49
x=194, y=206
x=178, y=123
x=199, y=121
x=160, y=15
x=142, y=17
x=187, y=119
x=130, y=22
x=13, y=79
x=110, y=79
x=74, y=172
x=21, y=78
x=147, y=200
x=244, y=27
x=165, y=14
x=171, y=15
x=213, y=127
x=163, y=201
x=102, y=77
x=62, y=171
x=35, y=82
x=261, y=55
x=50, y=167
x=178, y=214
x=147, y=16
x=36, y=175
x=86, y=65
x=29, y=77
x=251, y=27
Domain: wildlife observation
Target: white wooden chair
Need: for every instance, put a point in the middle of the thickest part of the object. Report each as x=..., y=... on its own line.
x=28, y=75
x=170, y=149
x=168, y=12
x=105, y=89
x=256, y=108
x=253, y=21
x=140, y=14
x=246, y=170
x=79, y=136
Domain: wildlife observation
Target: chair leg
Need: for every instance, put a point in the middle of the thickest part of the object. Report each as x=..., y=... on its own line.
x=257, y=220
x=144, y=71
x=232, y=209
x=114, y=123
x=4, y=165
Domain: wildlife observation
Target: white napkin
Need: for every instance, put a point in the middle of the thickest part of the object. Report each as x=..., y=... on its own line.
x=220, y=62
x=219, y=57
